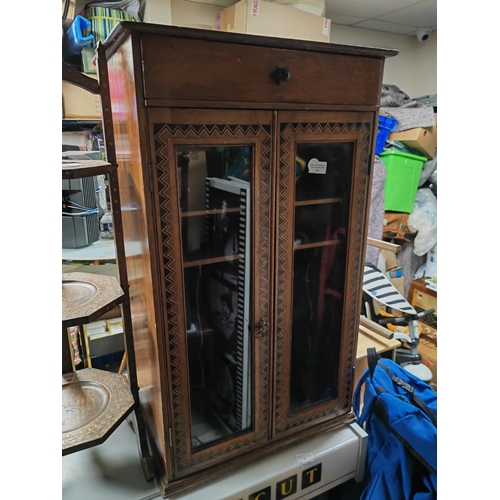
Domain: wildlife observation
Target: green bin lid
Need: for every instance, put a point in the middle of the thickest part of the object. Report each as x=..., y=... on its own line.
x=404, y=155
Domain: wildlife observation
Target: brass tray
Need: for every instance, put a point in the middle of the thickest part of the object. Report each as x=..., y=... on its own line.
x=94, y=404
x=86, y=297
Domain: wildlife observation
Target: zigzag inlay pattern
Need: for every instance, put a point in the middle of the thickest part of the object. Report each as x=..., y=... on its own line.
x=197, y=133
x=363, y=131
x=165, y=196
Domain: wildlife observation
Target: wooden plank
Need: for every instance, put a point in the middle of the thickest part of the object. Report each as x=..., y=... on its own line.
x=385, y=245
x=368, y=323
x=368, y=339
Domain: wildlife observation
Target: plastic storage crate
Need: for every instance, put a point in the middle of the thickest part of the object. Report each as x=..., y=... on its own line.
x=385, y=126
x=401, y=182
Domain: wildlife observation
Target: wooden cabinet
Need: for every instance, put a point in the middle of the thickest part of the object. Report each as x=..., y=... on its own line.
x=244, y=171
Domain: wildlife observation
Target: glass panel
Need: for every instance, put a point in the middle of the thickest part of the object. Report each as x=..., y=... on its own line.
x=313, y=223
x=319, y=186
x=214, y=185
x=320, y=243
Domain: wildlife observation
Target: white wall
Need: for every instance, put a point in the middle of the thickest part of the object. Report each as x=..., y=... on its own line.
x=413, y=70
x=157, y=12
x=180, y=13
x=425, y=66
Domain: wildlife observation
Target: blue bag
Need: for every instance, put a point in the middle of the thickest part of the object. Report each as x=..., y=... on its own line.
x=400, y=416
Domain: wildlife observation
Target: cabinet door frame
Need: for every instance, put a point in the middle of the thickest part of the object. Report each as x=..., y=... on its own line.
x=319, y=126
x=169, y=127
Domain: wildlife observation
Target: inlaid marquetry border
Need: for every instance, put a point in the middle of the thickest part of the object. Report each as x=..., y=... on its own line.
x=359, y=196
x=173, y=276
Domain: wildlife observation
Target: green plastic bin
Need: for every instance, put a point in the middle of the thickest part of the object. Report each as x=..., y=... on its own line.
x=401, y=182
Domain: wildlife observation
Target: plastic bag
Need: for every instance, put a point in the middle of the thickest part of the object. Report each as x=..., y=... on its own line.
x=434, y=177
x=427, y=170
x=424, y=220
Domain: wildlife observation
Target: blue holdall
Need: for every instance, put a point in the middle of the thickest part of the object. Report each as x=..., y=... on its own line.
x=400, y=416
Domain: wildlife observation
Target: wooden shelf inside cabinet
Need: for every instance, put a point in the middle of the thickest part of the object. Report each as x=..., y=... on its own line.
x=317, y=244
x=324, y=201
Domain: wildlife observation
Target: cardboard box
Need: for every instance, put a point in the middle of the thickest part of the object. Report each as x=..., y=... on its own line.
x=390, y=258
x=399, y=285
x=80, y=104
x=257, y=17
x=423, y=140
x=316, y=7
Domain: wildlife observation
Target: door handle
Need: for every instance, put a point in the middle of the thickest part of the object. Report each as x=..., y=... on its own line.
x=262, y=326
x=280, y=74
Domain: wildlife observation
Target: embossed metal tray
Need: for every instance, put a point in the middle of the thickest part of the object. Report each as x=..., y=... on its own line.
x=87, y=296
x=94, y=403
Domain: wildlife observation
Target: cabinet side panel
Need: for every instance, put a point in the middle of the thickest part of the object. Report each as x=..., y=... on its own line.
x=136, y=219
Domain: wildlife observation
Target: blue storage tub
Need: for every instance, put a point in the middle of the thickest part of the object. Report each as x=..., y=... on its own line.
x=73, y=41
x=385, y=126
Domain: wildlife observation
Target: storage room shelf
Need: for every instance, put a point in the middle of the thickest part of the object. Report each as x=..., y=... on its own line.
x=76, y=169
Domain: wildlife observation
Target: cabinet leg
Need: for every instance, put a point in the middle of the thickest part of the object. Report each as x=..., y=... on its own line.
x=147, y=462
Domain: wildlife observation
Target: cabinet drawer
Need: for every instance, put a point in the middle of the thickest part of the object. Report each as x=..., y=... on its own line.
x=423, y=300
x=183, y=69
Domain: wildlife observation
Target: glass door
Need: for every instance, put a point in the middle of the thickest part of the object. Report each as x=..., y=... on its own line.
x=324, y=162
x=213, y=176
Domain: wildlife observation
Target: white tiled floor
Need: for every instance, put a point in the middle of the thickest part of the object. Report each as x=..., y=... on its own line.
x=110, y=471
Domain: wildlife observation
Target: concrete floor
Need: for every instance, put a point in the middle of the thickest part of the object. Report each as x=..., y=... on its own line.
x=110, y=471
